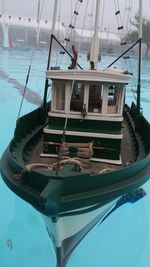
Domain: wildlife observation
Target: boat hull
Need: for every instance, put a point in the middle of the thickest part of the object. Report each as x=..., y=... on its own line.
x=66, y=231
x=69, y=197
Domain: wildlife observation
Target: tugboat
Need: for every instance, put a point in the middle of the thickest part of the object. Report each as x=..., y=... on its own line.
x=74, y=158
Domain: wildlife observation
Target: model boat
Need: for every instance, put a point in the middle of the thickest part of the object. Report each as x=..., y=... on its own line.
x=74, y=158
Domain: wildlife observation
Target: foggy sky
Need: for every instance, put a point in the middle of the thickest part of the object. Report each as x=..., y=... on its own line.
x=29, y=8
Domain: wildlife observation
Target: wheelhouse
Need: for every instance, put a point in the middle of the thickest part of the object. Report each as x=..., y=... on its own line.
x=89, y=109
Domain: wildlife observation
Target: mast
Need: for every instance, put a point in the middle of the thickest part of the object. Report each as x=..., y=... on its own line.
x=50, y=48
x=54, y=17
x=95, y=40
x=38, y=10
x=139, y=58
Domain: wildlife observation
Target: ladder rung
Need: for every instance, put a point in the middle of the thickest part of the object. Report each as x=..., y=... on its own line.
x=120, y=28
x=71, y=26
x=62, y=52
x=123, y=43
x=126, y=57
x=117, y=12
x=67, y=39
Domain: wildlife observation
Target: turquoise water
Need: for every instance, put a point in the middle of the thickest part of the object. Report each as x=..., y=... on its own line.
x=123, y=240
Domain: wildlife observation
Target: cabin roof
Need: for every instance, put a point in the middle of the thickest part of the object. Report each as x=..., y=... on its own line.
x=109, y=75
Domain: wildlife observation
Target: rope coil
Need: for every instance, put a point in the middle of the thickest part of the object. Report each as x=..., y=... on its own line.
x=53, y=166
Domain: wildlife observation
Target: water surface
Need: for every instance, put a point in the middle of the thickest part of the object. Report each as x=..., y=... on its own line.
x=123, y=240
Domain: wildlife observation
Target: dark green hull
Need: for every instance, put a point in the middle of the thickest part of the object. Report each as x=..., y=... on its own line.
x=68, y=190
x=53, y=199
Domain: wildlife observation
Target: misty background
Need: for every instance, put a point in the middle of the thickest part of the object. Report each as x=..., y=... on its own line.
x=29, y=8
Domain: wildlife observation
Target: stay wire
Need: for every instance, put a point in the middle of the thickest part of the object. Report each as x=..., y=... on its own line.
x=119, y=23
x=128, y=20
x=129, y=9
x=126, y=9
x=69, y=30
x=85, y=15
x=29, y=68
x=67, y=35
x=102, y=26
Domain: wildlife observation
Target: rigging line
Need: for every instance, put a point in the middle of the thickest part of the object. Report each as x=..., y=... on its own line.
x=129, y=8
x=124, y=53
x=91, y=19
x=125, y=18
x=64, y=49
x=120, y=16
x=126, y=60
x=67, y=34
x=128, y=17
x=39, y=19
x=24, y=91
x=60, y=153
x=85, y=15
x=117, y=9
x=59, y=16
x=71, y=11
x=74, y=16
x=33, y=51
x=29, y=69
x=118, y=21
x=59, y=12
x=66, y=43
x=102, y=26
x=71, y=91
x=76, y=8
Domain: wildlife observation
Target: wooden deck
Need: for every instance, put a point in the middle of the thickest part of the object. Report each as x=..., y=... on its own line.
x=127, y=155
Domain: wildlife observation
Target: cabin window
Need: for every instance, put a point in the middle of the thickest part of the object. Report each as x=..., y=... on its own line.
x=59, y=96
x=95, y=98
x=113, y=99
x=77, y=98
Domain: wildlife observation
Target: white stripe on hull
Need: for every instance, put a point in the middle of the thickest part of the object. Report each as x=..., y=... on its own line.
x=67, y=226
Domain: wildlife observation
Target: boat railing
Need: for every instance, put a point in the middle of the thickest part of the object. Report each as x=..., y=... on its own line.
x=144, y=130
x=27, y=123
x=142, y=126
